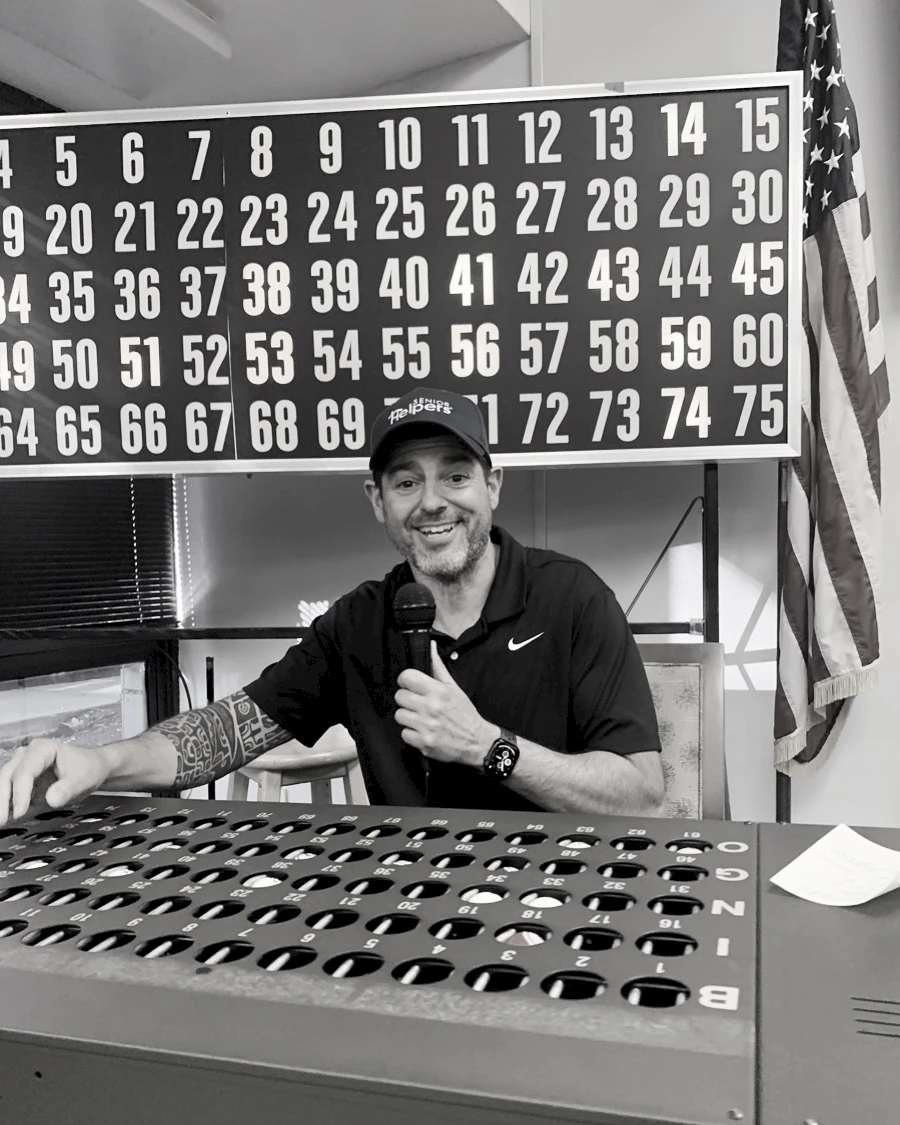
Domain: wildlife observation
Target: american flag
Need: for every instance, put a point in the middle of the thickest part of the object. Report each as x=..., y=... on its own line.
x=830, y=527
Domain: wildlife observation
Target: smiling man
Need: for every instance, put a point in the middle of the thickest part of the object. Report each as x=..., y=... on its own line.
x=537, y=697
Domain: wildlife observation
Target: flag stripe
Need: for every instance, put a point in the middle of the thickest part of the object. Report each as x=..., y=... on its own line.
x=845, y=331
x=796, y=604
x=850, y=505
x=864, y=217
x=872, y=303
x=882, y=389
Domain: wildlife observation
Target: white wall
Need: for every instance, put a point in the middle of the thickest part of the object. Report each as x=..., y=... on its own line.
x=268, y=541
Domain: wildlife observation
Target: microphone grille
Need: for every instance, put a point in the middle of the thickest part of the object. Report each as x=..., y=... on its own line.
x=414, y=606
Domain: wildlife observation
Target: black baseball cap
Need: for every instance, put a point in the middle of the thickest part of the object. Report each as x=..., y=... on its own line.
x=420, y=413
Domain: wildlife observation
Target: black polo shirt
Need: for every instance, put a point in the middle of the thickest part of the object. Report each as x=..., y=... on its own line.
x=551, y=659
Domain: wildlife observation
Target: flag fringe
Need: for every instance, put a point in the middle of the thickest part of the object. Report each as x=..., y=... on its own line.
x=845, y=685
x=787, y=748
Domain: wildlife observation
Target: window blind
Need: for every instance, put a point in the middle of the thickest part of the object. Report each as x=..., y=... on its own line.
x=87, y=552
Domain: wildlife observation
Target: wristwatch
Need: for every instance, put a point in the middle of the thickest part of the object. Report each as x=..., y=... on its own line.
x=500, y=760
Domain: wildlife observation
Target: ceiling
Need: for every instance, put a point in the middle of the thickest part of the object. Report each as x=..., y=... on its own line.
x=119, y=54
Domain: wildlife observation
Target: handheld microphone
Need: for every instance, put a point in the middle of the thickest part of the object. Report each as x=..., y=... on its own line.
x=414, y=612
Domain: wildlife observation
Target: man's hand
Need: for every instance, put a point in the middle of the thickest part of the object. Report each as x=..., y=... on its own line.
x=439, y=719
x=48, y=773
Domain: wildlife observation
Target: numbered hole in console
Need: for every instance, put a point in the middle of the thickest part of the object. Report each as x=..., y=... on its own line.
x=683, y=874
x=273, y=915
x=563, y=867
x=340, y=829
x=224, y=952
x=46, y=837
x=172, y=904
x=544, y=899
x=104, y=942
x=632, y=843
x=51, y=935
x=65, y=898
x=483, y=894
x=496, y=978
x=655, y=992
x=167, y=846
x=392, y=924
x=426, y=889
x=321, y=883
x=208, y=822
x=453, y=861
x=116, y=901
x=424, y=970
x=306, y=851
x=476, y=836
x=13, y=927
x=675, y=905
x=290, y=827
x=17, y=894
x=593, y=939
x=373, y=886
x=429, y=833
x=689, y=847
x=283, y=960
x=351, y=855
x=605, y=902
x=213, y=847
x=353, y=965
x=249, y=825
x=168, y=821
x=570, y=984
x=215, y=911
x=523, y=934
x=622, y=869
x=249, y=851
x=263, y=879
x=402, y=857
x=526, y=839
x=166, y=946
x=214, y=875
x=666, y=943
x=379, y=831
x=507, y=863
x=455, y=929
x=578, y=841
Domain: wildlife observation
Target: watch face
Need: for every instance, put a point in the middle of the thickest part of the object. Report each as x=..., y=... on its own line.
x=501, y=760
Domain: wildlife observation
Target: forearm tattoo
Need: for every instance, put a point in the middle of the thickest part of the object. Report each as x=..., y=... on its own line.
x=217, y=739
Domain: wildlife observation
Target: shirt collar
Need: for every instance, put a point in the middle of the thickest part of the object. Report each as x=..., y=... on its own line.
x=506, y=597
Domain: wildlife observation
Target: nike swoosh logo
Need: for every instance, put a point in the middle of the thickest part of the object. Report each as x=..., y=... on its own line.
x=513, y=647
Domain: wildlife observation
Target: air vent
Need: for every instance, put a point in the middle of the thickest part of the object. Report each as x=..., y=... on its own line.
x=876, y=1017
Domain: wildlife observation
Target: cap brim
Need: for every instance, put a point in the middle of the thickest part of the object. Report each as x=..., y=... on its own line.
x=413, y=429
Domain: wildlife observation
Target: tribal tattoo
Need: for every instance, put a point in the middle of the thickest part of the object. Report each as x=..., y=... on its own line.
x=217, y=739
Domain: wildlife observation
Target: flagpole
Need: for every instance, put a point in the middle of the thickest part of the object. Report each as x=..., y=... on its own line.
x=782, y=780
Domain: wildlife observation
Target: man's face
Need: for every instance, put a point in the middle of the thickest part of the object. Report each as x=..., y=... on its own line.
x=436, y=504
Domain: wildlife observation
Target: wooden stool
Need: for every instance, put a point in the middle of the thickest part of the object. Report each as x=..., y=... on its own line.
x=295, y=764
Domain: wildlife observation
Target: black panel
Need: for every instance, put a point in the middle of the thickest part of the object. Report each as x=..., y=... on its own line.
x=608, y=275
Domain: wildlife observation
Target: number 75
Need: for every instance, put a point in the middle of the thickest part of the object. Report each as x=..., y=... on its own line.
x=771, y=406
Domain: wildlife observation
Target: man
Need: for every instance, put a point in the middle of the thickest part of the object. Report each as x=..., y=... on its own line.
x=547, y=706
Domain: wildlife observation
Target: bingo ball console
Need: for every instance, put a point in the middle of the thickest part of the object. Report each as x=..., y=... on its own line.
x=166, y=960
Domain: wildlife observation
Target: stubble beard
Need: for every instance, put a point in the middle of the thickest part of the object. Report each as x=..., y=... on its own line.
x=448, y=567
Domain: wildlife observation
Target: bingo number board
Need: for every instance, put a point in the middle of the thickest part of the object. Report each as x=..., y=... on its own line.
x=597, y=952
x=612, y=275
